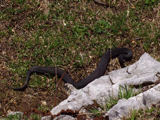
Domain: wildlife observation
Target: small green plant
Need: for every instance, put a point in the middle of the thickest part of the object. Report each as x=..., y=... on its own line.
x=17, y=116
x=133, y=115
x=69, y=31
x=101, y=27
x=147, y=45
x=79, y=31
x=153, y=113
x=95, y=111
x=124, y=92
x=110, y=103
x=2, y=34
x=35, y=117
x=147, y=2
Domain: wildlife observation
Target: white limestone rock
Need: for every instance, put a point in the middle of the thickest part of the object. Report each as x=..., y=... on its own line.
x=101, y=89
x=64, y=117
x=46, y=117
x=141, y=101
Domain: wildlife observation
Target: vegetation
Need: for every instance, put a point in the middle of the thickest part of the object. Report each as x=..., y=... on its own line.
x=124, y=92
x=71, y=35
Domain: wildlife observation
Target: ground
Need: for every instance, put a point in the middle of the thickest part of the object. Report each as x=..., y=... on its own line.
x=72, y=35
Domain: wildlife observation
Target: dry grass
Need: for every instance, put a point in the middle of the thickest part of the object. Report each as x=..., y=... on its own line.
x=72, y=35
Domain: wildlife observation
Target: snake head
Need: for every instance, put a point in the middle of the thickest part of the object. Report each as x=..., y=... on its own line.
x=123, y=58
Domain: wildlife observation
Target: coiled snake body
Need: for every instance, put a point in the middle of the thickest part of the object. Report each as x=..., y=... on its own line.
x=123, y=55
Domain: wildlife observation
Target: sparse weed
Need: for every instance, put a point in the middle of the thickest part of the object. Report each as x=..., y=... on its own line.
x=73, y=34
x=124, y=92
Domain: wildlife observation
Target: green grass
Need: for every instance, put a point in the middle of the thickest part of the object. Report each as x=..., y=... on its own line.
x=152, y=113
x=124, y=92
x=73, y=35
x=21, y=117
x=14, y=117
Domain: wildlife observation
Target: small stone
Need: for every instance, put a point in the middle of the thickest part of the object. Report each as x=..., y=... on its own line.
x=14, y=113
x=46, y=117
x=3, y=52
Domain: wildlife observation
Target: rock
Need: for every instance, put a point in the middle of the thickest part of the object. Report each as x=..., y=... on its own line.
x=16, y=113
x=73, y=102
x=64, y=117
x=145, y=70
x=46, y=117
x=141, y=101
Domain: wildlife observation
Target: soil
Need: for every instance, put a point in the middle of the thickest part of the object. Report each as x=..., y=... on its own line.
x=31, y=100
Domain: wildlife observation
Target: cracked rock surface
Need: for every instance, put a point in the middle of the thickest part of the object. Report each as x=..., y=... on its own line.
x=143, y=72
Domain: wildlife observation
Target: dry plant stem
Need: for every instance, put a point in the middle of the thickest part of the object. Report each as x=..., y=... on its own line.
x=102, y=4
x=56, y=88
x=61, y=79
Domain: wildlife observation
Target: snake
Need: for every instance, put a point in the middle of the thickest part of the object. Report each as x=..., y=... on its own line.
x=123, y=54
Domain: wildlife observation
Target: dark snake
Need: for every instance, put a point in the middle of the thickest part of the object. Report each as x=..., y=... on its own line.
x=123, y=55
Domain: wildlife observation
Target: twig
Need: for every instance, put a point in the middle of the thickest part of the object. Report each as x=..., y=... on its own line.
x=102, y=4
x=61, y=79
x=57, y=87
